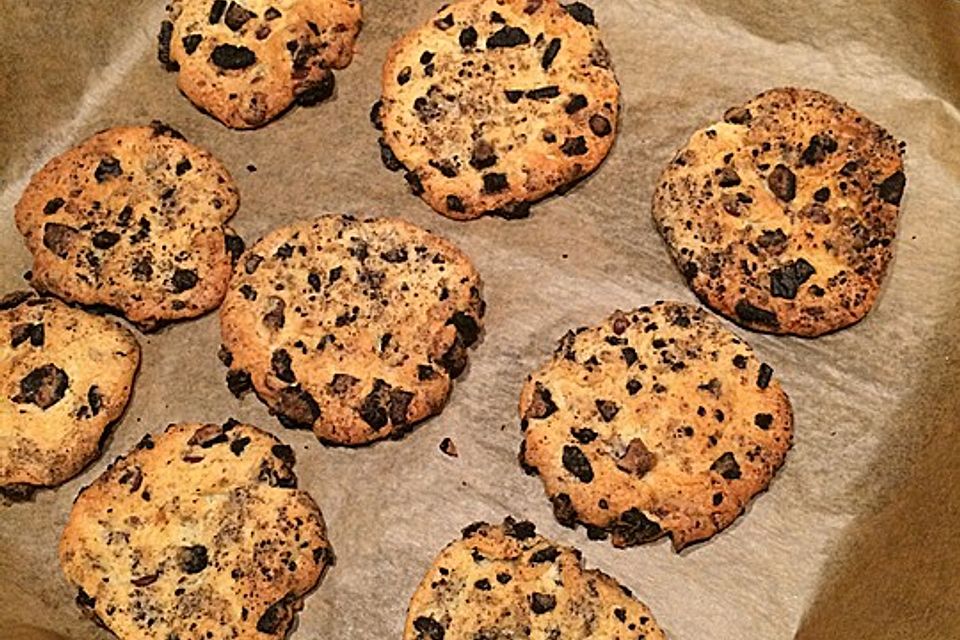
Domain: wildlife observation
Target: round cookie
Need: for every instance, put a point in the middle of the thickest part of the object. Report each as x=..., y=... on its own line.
x=246, y=62
x=782, y=216
x=505, y=581
x=132, y=218
x=657, y=421
x=66, y=375
x=354, y=328
x=197, y=533
x=494, y=104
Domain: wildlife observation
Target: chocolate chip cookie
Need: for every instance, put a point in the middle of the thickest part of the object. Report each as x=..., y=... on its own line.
x=505, y=581
x=66, y=375
x=656, y=421
x=354, y=328
x=782, y=216
x=494, y=104
x=132, y=218
x=246, y=62
x=197, y=533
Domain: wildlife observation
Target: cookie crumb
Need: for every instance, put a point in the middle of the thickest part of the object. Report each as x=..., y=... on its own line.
x=449, y=448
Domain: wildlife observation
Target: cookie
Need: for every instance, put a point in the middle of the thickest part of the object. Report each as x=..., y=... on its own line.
x=782, y=216
x=494, y=104
x=354, y=328
x=246, y=62
x=132, y=218
x=197, y=533
x=505, y=581
x=657, y=421
x=66, y=375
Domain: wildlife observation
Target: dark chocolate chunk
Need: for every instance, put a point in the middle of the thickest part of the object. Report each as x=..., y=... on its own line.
x=637, y=459
x=278, y=615
x=634, y=527
x=891, y=189
x=455, y=204
x=444, y=23
x=483, y=155
x=193, y=559
x=191, y=42
x=608, y=409
x=162, y=129
x=548, y=554
x=468, y=38
x=519, y=530
x=53, y=206
x=739, y=361
x=751, y=314
x=297, y=408
x=550, y=53
x=513, y=96
x=44, y=386
x=600, y=125
x=216, y=11
x=577, y=102
x=581, y=13
x=27, y=331
x=449, y=448
x=541, y=603
x=425, y=372
x=105, y=239
x=388, y=158
x=764, y=375
x=822, y=194
x=145, y=581
x=577, y=463
x=238, y=382
x=404, y=76
x=729, y=178
x=281, y=364
x=232, y=58
x=495, y=182
x=237, y=16
x=94, y=399
x=398, y=406
x=563, y=510
x=467, y=327
x=272, y=13
x=109, y=167
x=574, y=146
x=783, y=183
x=163, y=46
x=508, y=37
x=726, y=465
x=374, y=407
x=584, y=435
x=238, y=445
x=763, y=420
x=274, y=317
x=284, y=453
x=634, y=386
x=428, y=628
x=413, y=180
x=376, y=115
x=184, y=280
x=234, y=245
x=786, y=280
x=482, y=585
x=817, y=150
x=314, y=92
x=541, y=405
x=543, y=93
x=738, y=115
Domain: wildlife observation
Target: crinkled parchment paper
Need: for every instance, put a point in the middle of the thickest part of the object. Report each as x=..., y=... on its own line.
x=854, y=539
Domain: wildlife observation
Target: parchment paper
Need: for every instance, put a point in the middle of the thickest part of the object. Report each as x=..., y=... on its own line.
x=854, y=538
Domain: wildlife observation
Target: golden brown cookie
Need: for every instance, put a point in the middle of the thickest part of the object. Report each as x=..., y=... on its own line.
x=246, y=62
x=354, y=328
x=198, y=533
x=132, y=218
x=782, y=216
x=494, y=104
x=66, y=375
x=657, y=421
x=505, y=581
